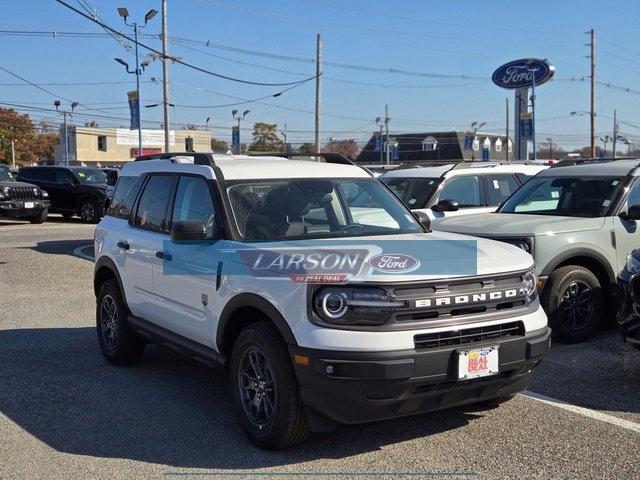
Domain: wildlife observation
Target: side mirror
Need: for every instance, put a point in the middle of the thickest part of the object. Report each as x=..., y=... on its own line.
x=445, y=205
x=632, y=214
x=422, y=218
x=188, y=230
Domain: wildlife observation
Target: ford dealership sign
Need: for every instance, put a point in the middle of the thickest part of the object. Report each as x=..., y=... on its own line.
x=518, y=74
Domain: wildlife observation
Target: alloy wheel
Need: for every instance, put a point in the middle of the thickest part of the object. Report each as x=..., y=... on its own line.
x=257, y=387
x=577, y=305
x=87, y=211
x=109, y=322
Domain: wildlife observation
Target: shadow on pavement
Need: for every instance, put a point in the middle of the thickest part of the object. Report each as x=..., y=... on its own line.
x=55, y=384
x=64, y=247
x=602, y=373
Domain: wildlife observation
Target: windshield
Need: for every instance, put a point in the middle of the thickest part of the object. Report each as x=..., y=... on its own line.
x=316, y=208
x=414, y=192
x=564, y=196
x=5, y=174
x=90, y=175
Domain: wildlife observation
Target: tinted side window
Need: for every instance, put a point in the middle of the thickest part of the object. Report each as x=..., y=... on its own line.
x=39, y=174
x=152, y=207
x=64, y=176
x=634, y=195
x=464, y=190
x=193, y=202
x=499, y=188
x=124, y=196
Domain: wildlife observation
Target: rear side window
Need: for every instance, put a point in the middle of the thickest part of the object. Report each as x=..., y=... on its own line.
x=152, y=206
x=499, y=188
x=464, y=189
x=39, y=174
x=124, y=196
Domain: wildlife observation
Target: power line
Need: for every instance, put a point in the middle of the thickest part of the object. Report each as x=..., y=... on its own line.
x=177, y=60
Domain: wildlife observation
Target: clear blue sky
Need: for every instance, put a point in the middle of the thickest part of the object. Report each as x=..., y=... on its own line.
x=457, y=38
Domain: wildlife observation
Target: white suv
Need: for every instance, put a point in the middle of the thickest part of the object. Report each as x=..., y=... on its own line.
x=322, y=295
x=460, y=188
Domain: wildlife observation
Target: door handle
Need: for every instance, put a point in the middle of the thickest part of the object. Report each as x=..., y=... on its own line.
x=164, y=256
x=122, y=245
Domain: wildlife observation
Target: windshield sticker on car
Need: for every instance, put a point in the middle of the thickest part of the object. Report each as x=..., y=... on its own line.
x=555, y=194
x=81, y=174
x=496, y=184
x=615, y=182
x=606, y=203
x=412, y=201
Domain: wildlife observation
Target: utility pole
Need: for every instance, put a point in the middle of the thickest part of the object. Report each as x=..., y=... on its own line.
x=615, y=132
x=506, y=146
x=13, y=153
x=550, y=140
x=318, y=73
x=386, y=126
x=165, y=77
x=379, y=123
x=284, y=135
x=593, y=92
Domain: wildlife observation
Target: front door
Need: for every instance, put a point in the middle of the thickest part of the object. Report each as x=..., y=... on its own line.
x=627, y=232
x=185, y=280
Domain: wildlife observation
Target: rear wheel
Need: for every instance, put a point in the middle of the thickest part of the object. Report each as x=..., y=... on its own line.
x=40, y=218
x=572, y=299
x=264, y=389
x=118, y=343
x=89, y=211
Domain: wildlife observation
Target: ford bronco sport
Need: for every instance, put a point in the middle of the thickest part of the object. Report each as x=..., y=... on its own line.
x=579, y=220
x=308, y=351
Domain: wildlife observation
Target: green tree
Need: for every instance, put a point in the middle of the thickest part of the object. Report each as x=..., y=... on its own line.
x=306, y=149
x=265, y=138
x=219, y=146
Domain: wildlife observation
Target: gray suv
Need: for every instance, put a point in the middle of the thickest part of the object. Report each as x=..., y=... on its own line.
x=579, y=220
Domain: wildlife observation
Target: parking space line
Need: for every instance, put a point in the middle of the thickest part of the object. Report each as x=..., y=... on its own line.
x=586, y=412
x=78, y=252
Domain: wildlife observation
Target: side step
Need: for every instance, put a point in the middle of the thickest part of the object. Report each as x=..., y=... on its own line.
x=177, y=343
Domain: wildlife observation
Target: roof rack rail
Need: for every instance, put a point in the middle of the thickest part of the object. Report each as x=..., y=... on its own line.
x=326, y=157
x=199, y=158
x=581, y=161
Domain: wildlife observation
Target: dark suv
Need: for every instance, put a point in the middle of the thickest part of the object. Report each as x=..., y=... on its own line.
x=21, y=200
x=72, y=190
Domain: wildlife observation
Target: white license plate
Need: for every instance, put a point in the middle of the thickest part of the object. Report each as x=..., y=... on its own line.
x=28, y=205
x=479, y=362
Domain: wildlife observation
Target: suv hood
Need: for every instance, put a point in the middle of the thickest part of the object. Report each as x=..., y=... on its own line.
x=490, y=257
x=15, y=183
x=499, y=224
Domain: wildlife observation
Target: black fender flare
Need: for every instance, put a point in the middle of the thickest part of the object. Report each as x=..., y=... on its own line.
x=580, y=252
x=260, y=303
x=106, y=262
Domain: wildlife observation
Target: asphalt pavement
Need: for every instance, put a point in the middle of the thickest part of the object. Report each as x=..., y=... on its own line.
x=66, y=413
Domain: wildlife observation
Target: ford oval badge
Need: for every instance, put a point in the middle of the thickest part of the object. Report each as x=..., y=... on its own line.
x=393, y=263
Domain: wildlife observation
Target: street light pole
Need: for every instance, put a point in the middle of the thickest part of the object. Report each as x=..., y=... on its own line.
x=379, y=123
x=386, y=126
x=550, y=140
x=244, y=114
x=66, y=132
x=165, y=78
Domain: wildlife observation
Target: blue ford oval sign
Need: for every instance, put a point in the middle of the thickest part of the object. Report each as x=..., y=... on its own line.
x=519, y=73
x=393, y=263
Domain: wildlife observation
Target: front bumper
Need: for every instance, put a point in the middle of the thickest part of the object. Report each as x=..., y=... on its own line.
x=17, y=208
x=368, y=386
x=628, y=314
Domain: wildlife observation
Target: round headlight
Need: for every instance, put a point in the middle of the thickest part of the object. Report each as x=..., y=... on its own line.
x=334, y=305
x=44, y=194
x=36, y=191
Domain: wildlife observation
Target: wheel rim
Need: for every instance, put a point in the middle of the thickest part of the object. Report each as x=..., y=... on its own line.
x=257, y=387
x=109, y=322
x=87, y=211
x=577, y=305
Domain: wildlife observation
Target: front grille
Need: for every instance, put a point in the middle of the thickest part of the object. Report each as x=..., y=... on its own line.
x=23, y=193
x=457, y=301
x=469, y=336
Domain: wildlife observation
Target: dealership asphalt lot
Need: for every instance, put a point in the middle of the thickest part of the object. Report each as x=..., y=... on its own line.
x=66, y=413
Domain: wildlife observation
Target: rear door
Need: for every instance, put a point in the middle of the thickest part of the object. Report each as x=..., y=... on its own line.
x=499, y=187
x=148, y=229
x=184, y=281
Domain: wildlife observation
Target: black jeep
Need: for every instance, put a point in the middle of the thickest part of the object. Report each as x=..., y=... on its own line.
x=23, y=201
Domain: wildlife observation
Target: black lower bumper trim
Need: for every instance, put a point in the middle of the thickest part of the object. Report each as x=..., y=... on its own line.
x=356, y=387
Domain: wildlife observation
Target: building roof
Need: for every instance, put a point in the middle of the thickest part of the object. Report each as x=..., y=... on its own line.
x=595, y=168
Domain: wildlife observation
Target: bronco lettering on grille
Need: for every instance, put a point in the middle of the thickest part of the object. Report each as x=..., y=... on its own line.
x=465, y=299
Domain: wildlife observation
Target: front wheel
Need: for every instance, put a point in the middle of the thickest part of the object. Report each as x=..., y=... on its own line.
x=89, y=211
x=264, y=389
x=573, y=301
x=40, y=218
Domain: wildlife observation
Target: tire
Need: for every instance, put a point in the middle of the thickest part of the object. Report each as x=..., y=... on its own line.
x=40, y=218
x=118, y=343
x=89, y=211
x=573, y=301
x=67, y=215
x=279, y=421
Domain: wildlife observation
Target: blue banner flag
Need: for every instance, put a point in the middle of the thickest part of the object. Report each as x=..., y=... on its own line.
x=132, y=96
